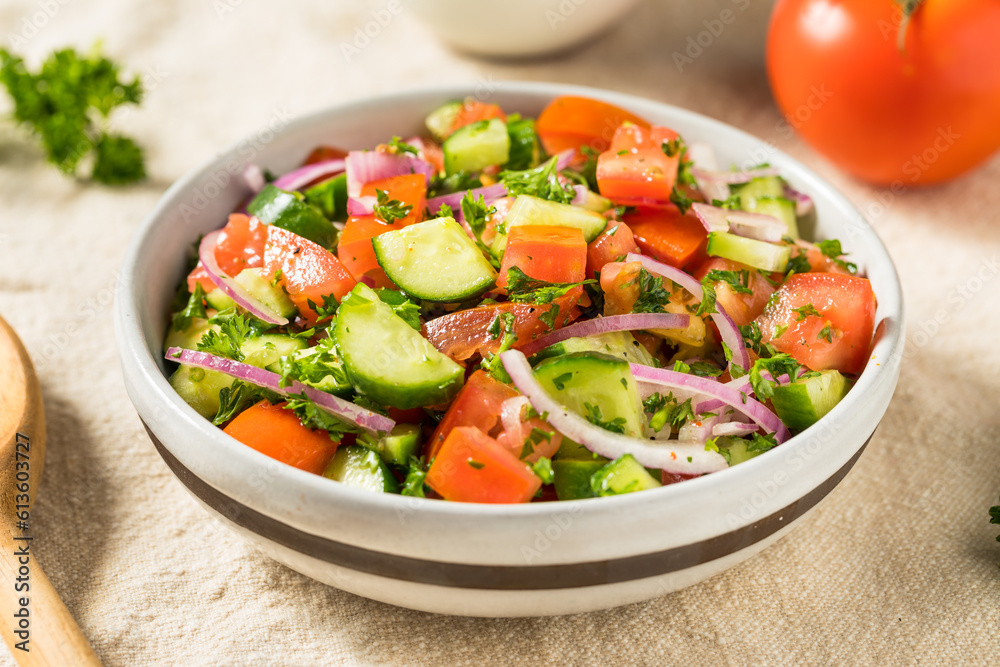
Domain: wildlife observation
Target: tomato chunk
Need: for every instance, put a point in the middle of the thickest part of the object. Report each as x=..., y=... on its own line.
x=356, y=252
x=635, y=170
x=824, y=320
x=572, y=122
x=410, y=189
x=611, y=246
x=199, y=276
x=462, y=334
x=741, y=307
x=471, y=467
x=477, y=404
x=278, y=433
x=666, y=235
x=545, y=252
x=309, y=272
x=324, y=154
x=473, y=111
x=240, y=245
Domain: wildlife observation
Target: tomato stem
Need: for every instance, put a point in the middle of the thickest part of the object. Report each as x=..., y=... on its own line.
x=909, y=8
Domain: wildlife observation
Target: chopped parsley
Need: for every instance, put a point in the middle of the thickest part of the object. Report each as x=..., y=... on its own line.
x=195, y=308
x=543, y=468
x=798, y=264
x=325, y=310
x=319, y=366
x=653, y=296
x=398, y=146
x=402, y=306
x=389, y=210
x=542, y=181
x=457, y=182
x=416, y=473
x=805, y=311
x=228, y=340
x=596, y=417
x=761, y=443
x=521, y=288
x=476, y=464
x=778, y=365
x=502, y=324
x=826, y=333
x=476, y=212
x=739, y=281
x=730, y=203
x=832, y=249
x=673, y=413
x=680, y=200
x=238, y=397
x=315, y=417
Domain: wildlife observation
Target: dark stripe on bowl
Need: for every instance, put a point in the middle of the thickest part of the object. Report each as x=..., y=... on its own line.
x=499, y=577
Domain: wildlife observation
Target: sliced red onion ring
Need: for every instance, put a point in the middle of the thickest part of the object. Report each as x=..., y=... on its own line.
x=803, y=202
x=742, y=223
x=303, y=176
x=737, y=429
x=361, y=205
x=511, y=411
x=602, y=325
x=703, y=157
x=232, y=289
x=699, y=430
x=253, y=176
x=366, y=419
x=454, y=200
x=728, y=330
x=672, y=456
x=733, y=177
x=564, y=158
x=752, y=408
x=367, y=166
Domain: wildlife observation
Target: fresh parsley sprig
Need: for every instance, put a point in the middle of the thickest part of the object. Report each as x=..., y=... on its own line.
x=315, y=417
x=389, y=210
x=195, y=308
x=522, y=288
x=541, y=181
x=238, y=397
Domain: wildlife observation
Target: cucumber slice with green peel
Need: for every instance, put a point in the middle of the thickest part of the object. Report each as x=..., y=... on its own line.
x=574, y=451
x=765, y=186
x=525, y=149
x=804, y=402
x=387, y=359
x=361, y=468
x=758, y=254
x=330, y=197
x=291, y=211
x=434, y=261
x=623, y=475
x=778, y=207
x=397, y=446
x=219, y=300
x=736, y=450
x=529, y=210
x=477, y=146
x=619, y=344
x=189, y=338
x=200, y=388
x=596, y=386
x=269, y=294
x=266, y=350
x=595, y=202
x=572, y=478
x=440, y=120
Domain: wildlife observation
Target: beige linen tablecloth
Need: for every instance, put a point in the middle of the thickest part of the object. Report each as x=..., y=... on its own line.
x=899, y=566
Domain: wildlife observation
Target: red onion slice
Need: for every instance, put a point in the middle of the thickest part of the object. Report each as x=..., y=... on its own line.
x=750, y=407
x=564, y=158
x=803, y=202
x=359, y=206
x=253, y=176
x=366, y=419
x=733, y=177
x=367, y=166
x=728, y=330
x=735, y=429
x=742, y=223
x=232, y=289
x=602, y=325
x=703, y=157
x=672, y=456
x=303, y=176
x=454, y=200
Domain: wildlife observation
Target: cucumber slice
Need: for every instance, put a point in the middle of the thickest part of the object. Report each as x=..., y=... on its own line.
x=779, y=207
x=619, y=344
x=200, y=388
x=570, y=450
x=476, y=146
x=266, y=350
x=361, y=468
x=290, y=211
x=623, y=475
x=189, y=338
x=758, y=254
x=528, y=210
x=572, y=478
x=736, y=450
x=585, y=382
x=803, y=402
x=440, y=120
x=262, y=289
x=330, y=197
x=398, y=445
x=434, y=261
x=765, y=186
x=525, y=150
x=219, y=300
x=387, y=359
x=595, y=202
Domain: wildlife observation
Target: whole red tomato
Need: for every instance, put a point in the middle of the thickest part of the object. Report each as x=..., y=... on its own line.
x=922, y=114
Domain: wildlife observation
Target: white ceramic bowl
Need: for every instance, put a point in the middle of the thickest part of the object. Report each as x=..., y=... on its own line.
x=482, y=560
x=518, y=28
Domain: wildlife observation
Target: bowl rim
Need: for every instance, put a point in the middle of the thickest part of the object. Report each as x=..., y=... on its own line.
x=141, y=366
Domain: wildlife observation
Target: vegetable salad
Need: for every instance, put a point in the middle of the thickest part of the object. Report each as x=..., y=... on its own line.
x=513, y=310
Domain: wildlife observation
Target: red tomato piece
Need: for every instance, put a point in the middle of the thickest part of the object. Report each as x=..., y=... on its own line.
x=471, y=467
x=278, y=433
x=356, y=252
x=666, y=235
x=473, y=111
x=462, y=334
x=619, y=282
x=197, y=276
x=635, y=170
x=573, y=122
x=817, y=260
x=324, y=154
x=741, y=307
x=611, y=246
x=410, y=189
x=476, y=404
x=240, y=246
x=545, y=252
x=309, y=272
x=838, y=337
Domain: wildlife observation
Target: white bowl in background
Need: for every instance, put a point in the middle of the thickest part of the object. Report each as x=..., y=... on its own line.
x=487, y=560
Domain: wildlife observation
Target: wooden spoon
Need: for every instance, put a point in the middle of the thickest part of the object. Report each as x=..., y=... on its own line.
x=51, y=636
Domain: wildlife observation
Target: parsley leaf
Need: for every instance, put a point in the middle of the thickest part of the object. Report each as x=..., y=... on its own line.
x=195, y=308
x=416, y=473
x=475, y=211
x=238, y=397
x=522, y=288
x=502, y=323
x=655, y=401
x=653, y=296
x=402, y=306
x=457, y=182
x=327, y=310
x=832, y=249
x=798, y=264
x=535, y=438
x=826, y=333
x=778, y=365
x=228, y=340
x=730, y=203
x=319, y=366
x=398, y=147
x=739, y=281
x=542, y=181
x=673, y=413
x=805, y=311
x=680, y=200
x=389, y=210
x=543, y=468
x=315, y=417
x=707, y=305
x=761, y=443
x=596, y=417
x=66, y=104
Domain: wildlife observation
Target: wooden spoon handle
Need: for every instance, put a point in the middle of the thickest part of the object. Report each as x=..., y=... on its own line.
x=54, y=638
